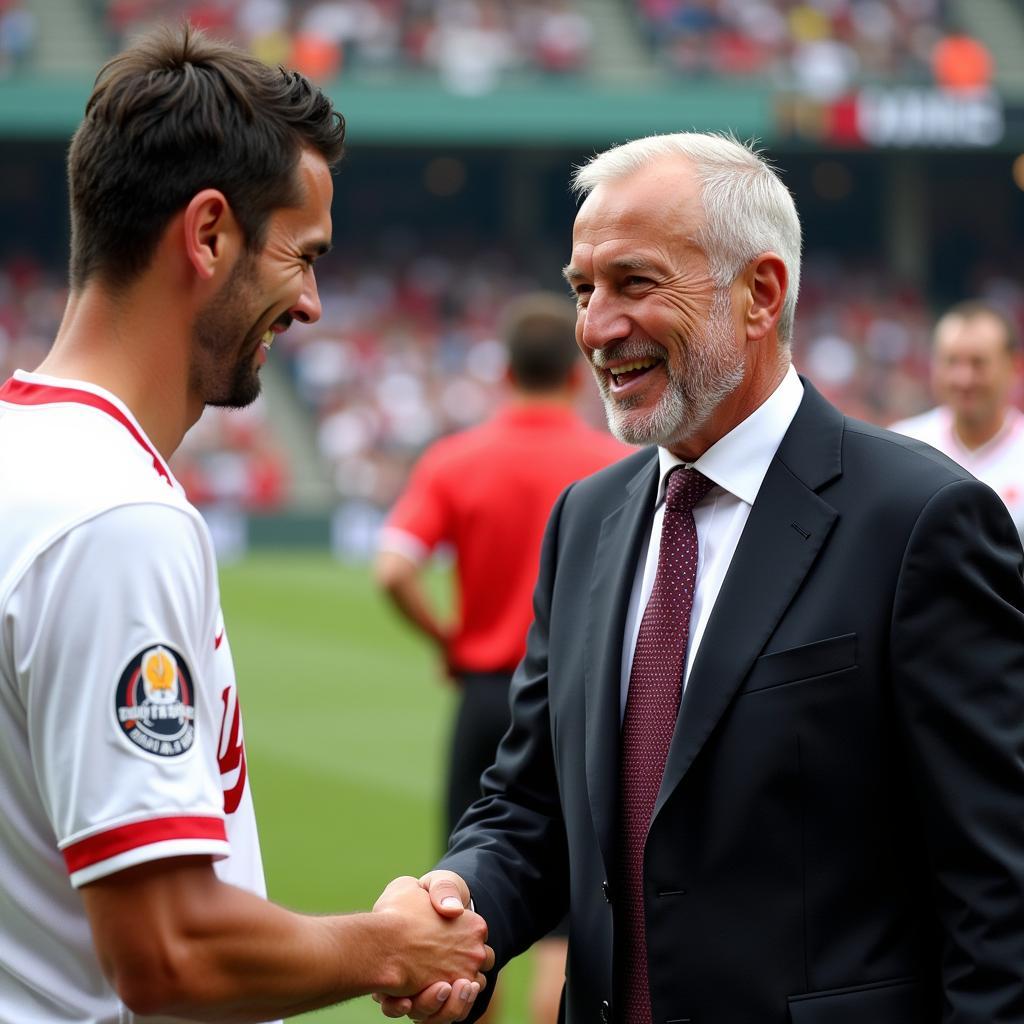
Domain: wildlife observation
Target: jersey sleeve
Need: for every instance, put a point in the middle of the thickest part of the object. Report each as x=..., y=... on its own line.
x=116, y=681
x=420, y=519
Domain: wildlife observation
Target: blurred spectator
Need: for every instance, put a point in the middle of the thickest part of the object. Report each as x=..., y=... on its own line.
x=17, y=36
x=961, y=63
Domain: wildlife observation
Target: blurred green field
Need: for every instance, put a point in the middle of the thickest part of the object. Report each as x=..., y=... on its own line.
x=346, y=720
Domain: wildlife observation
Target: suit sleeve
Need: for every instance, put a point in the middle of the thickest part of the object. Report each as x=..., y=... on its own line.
x=510, y=846
x=958, y=669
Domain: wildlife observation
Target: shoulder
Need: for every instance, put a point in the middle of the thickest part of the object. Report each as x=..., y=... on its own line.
x=902, y=460
x=605, y=490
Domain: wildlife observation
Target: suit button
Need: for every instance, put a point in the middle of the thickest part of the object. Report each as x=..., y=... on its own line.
x=606, y=1011
x=606, y=889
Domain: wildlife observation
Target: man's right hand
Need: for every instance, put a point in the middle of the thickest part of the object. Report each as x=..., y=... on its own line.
x=440, y=1002
x=435, y=941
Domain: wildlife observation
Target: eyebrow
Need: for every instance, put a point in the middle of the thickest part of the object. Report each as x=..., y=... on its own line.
x=573, y=274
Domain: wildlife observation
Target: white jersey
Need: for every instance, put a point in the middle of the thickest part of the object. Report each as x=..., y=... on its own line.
x=122, y=739
x=998, y=463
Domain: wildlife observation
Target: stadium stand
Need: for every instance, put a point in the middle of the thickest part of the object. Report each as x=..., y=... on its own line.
x=824, y=48
x=468, y=42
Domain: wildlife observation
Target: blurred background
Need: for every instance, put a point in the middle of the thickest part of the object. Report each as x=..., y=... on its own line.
x=897, y=124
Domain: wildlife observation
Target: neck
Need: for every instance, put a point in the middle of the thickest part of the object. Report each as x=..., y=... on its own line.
x=561, y=397
x=731, y=412
x=134, y=345
x=973, y=434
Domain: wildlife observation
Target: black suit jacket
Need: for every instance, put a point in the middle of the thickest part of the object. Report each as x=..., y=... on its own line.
x=839, y=835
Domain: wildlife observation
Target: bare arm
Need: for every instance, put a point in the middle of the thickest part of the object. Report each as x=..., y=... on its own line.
x=399, y=577
x=173, y=939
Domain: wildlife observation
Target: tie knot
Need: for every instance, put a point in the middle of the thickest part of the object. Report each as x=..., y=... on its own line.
x=685, y=487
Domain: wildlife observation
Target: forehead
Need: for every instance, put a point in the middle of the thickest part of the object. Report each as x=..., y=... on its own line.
x=977, y=335
x=312, y=215
x=657, y=208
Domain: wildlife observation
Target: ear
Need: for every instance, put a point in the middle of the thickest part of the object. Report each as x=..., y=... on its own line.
x=213, y=237
x=767, y=281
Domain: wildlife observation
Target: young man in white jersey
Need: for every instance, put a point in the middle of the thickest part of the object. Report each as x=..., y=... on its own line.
x=200, y=190
x=976, y=363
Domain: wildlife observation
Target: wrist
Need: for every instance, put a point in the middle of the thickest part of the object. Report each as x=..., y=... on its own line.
x=383, y=939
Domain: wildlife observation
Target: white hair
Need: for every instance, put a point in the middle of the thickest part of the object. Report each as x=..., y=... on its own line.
x=747, y=209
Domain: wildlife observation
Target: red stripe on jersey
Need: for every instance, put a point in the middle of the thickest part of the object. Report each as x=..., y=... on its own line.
x=104, y=845
x=21, y=392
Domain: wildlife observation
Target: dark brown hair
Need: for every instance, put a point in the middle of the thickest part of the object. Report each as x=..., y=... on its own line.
x=539, y=332
x=172, y=115
x=969, y=309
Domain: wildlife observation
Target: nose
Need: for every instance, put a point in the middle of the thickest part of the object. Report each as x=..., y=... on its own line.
x=602, y=322
x=307, y=308
x=961, y=376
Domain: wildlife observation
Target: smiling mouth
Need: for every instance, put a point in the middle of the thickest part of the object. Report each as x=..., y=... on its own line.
x=625, y=373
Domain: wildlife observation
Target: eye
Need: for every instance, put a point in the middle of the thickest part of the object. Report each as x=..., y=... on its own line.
x=582, y=294
x=635, y=280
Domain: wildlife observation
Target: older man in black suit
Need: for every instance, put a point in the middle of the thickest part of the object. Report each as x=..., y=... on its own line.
x=768, y=736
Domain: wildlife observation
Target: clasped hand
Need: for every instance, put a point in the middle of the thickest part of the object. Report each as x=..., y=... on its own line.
x=443, y=951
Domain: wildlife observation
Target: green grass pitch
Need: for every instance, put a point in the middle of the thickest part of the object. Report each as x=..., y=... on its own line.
x=346, y=721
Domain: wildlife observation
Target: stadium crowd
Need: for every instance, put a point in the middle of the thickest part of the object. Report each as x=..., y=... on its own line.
x=468, y=42
x=407, y=351
x=822, y=45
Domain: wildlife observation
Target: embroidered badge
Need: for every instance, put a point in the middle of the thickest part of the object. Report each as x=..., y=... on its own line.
x=154, y=705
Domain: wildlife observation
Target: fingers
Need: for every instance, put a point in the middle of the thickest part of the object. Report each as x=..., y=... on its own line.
x=448, y=893
x=455, y=1008
x=488, y=960
x=441, y=1003
x=393, y=1006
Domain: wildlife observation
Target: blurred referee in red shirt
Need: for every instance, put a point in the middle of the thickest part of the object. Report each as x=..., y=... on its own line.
x=488, y=492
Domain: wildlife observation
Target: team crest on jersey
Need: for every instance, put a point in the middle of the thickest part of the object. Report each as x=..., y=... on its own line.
x=154, y=704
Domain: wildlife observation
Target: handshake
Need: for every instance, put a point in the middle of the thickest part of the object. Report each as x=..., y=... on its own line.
x=438, y=950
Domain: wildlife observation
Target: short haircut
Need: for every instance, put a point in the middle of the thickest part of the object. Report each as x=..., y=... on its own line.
x=172, y=115
x=539, y=330
x=969, y=309
x=748, y=210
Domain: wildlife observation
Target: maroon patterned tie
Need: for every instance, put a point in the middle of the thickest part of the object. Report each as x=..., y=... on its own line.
x=652, y=704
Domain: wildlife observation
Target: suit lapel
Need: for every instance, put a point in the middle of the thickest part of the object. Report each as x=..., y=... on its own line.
x=783, y=536
x=618, y=550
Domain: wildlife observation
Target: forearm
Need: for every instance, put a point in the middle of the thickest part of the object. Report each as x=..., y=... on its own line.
x=400, y=580
x=204, y=950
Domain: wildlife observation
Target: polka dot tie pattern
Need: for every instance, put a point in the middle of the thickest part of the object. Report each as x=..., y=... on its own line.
x=652, y=705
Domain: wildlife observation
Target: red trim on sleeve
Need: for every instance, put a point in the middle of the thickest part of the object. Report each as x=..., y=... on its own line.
x=105, y=845
x=22, y=392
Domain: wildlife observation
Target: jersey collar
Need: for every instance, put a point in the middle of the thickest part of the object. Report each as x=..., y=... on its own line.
x=38, y=389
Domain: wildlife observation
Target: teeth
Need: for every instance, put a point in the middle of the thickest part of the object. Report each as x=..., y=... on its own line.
x=640, y=364
x=268, y=338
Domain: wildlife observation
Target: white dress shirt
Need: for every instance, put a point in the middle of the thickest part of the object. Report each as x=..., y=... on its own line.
x=736, y=464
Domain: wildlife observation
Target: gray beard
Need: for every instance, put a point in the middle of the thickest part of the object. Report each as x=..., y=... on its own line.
x=711, y=370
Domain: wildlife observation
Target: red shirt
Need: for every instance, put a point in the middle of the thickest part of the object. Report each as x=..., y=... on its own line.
x=488, y=492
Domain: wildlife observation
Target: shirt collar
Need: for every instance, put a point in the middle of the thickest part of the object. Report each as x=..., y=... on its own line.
x=738, y=461
x=25, y=388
